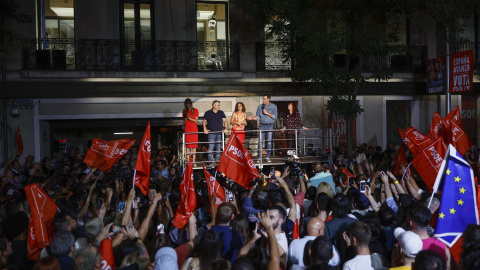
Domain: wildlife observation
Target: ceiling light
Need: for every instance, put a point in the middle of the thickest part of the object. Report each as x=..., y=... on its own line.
x=123, y=133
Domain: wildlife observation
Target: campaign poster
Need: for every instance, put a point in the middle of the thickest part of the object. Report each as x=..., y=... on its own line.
x=435, y=76
x=339, y=129
x=461, y=71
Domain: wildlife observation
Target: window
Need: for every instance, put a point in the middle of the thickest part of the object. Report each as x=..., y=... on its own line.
x=398, y=115
x=212, y=35
x=57, y=19
x=137, y=32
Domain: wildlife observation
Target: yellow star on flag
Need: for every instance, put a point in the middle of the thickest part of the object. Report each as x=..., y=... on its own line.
x=442, y=215
x=457, y=179
x=460, y=202
x=452, y=211
x=448, y=172
x=462, y=190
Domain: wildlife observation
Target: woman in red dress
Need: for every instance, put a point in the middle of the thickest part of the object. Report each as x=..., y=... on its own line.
x=238, y=121
x=190, y=118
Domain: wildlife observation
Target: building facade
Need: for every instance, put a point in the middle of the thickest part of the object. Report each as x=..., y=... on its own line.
x=88, y=68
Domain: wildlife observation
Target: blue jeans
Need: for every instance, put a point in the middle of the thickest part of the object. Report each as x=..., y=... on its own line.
x=214, y=142
x=269, y=136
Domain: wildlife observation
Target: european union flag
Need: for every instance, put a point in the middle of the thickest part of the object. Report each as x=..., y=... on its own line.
x=458, y=205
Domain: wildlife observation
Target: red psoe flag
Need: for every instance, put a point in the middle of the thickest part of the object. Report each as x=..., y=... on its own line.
x=454, y=116
x=401, y=160
x=108, y=259
x=237, y=164
x=428, y=162
x=459, y=139
x=438, y=128
x=214, y=189
x=411, y=146
x=19, y=142
x=188, y=200
x=104, y=154
x=418, y=138
x=142, y=168
x=40, y=226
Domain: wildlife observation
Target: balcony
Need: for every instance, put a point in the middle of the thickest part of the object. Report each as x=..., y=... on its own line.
x=402, y=59
x=475, y=46
x=114, y=55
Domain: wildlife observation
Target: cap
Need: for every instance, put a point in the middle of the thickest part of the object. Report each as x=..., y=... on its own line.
x=410, y=242
x=166, y=258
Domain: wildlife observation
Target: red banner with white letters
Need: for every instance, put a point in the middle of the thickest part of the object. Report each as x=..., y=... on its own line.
x=188, y=200
x=411, y=146
x=438, y=128
x=40, y=230
x=428, y=162
x=142, y=168
x=237, y=164
x=104, y=154
x=460, y=140
x=214, y=189
x=461, y=71
x=454, y=116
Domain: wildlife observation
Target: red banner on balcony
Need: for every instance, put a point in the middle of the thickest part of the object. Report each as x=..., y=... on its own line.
x=461, y=71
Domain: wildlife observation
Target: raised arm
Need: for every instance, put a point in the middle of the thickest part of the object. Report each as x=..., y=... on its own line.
x=292, y=215
x=142, y=231
x=128, y=207
x=87, y=201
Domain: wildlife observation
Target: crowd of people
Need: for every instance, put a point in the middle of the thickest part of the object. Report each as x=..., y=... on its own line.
x=295, y=216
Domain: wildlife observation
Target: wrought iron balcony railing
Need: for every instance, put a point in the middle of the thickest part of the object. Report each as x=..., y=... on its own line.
x=475, y=46
x=404, y=59
x=100, y=54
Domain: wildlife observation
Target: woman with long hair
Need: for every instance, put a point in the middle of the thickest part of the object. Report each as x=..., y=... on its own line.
x=238, y=121
x=292, y=120
x=208, y=251
x=190, y=118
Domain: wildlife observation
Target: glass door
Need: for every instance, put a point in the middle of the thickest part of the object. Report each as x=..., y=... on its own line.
x=212, y=35
x=137, y=33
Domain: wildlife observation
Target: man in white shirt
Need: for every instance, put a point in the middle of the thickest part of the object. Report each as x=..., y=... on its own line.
x=315, y=228
x=359, y=238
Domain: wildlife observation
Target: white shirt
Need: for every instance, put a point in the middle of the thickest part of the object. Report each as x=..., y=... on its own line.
x=297, y=247
x=360, y=262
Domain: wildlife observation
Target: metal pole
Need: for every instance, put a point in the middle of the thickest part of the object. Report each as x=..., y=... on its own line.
x=260, y=153
x=296, y=142
x=184, y=150
x=447, y=73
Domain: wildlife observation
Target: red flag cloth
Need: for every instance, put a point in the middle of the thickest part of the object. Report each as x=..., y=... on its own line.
x=428, y=162
x=108, y=259
x=188, y=200
x=33, y=251
x=438, y=128
x=296, y=231
x=142, y=168
x=215, y=189
x=104, y=154
x=237, y=164
x=454, y=116
x=411, y=146
x=418, y=138
x=401, y=160
x=19, y=142
x=349, y=174
x=40, y=227
x=460, y=140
